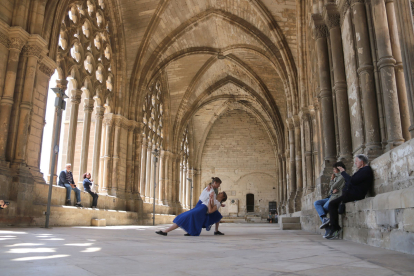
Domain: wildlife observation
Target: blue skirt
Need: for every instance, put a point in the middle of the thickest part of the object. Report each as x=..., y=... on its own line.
x=192, y=221
x=211, y=219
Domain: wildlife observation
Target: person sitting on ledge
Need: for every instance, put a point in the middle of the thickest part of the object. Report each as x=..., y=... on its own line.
x=87, y=186
x=66, y=180
x=336, y=185
x=4, y=204
x=356, y=188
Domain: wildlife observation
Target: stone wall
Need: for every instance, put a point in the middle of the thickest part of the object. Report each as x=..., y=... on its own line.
x=239, y=152
x=386, y=217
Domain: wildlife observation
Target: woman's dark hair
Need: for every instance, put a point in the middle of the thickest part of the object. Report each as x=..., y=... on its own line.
x=224, y=196
x=84, y=175
x=339, y=164
x=215, y=179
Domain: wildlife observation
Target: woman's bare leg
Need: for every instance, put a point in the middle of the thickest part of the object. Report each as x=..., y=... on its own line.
x=172, y=227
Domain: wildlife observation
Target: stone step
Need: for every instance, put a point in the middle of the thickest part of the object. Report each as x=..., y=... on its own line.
x=159, y=219
x=290, y=220
x=290, y=226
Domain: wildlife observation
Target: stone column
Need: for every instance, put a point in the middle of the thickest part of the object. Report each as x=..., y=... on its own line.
x=292, y=168
x=298, y=160
x=325, y=94
x=180, y=189
x=143, y=173
x=285, y=197
x=280, y=181
x=148, y=172
x=107, y=168
x=73, y=125
x=151, y=181
x=399, y=70
x=99, y=112
x=137, y=161
x=161, y=182
x=315, y=130
x=386, y=64
x=340, y=88
x=405, y=11
x=167, y=179
x=88, y=108
x=115, y=158
x=32, y=51
x=367, y=82
x=17, y=40
x=130, y=162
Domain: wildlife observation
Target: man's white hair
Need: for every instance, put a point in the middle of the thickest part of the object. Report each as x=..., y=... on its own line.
x=67, y=165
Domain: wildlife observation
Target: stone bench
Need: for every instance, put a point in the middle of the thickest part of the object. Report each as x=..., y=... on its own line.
x=386, y=220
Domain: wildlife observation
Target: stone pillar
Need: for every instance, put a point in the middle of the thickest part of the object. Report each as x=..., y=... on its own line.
x=325, y=94
x=143, y=173
x=167, y=179
x=180, y=189
x=386, y=64
x=399, y=70
x=130, y=162
x=161, y=182
x=115, y=158
x=18, y=38
x=99, y=112
x=292, y=168
x=88, y=108
x=151, y=175
x=367, y=82
x=73, y=125
x=107, y=168
x=340, y=88
x=285, y=197
x=148, y=172
x=315, y=139
x=406, y=34
x=32, y=51
x=184, y=186
x=280, y=181
x=298, y=160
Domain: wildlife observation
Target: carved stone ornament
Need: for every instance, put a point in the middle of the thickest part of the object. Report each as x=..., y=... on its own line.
x=321, y=31
x=333, y=20
x=4, y=39
x=344, y=8
x=16, y=43
x=32, y=51
x=46, y=70
x=412, y=8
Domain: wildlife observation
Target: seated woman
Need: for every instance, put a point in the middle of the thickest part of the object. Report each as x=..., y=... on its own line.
x=87, y=185
x=193, y=220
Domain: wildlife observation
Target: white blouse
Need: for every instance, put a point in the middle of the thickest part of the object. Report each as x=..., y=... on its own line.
x=205, y=195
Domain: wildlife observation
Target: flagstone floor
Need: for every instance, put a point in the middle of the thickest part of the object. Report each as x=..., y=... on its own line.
x=246, y=249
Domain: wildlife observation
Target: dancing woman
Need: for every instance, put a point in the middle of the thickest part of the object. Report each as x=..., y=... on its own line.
x=215, y=217
x=193, y=220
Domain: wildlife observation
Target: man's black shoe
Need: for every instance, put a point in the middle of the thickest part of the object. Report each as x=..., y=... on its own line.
x=78, y=205
x=218, y=233
x=187, y=235
x=161, y=233
x=335, y=234
x=325, y=223
x=68, y=203
x=330, y=234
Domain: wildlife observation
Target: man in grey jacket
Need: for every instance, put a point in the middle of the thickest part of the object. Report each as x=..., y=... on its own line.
x=335, y=191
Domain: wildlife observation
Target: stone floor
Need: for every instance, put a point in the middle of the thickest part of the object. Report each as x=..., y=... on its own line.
x=246, y=249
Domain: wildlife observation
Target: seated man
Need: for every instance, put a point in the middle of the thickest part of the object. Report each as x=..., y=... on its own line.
x=87, y=186
x=356, y=188
x=66, y=180
x=335, y=191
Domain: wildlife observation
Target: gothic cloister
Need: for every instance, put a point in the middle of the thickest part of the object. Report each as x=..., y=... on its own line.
x=265, y=94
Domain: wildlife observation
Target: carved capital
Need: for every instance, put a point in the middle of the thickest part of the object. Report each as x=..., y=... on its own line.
x=16, y=43
x=321, y=31
x=333, y=21
x=88, y=105
x=296, y=121
x=32, y=51
x=46, y=69
x=75, y=99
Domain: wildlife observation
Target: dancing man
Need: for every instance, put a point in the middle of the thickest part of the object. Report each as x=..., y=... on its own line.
x=193, y=220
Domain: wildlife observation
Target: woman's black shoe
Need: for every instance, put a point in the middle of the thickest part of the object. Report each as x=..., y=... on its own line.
x=187, y=235
x=161, y=233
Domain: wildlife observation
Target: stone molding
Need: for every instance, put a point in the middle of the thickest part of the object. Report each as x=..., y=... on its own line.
x=321, y=31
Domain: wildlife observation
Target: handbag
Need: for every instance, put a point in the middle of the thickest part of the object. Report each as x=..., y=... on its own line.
x=341, y=208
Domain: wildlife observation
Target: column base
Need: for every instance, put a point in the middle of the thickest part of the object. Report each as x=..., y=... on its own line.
x=393, y=144
x=373, y=151
x=290, y=204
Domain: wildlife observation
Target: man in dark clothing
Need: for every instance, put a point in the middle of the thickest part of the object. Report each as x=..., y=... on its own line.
x=87, y=186
x=356, y=188
x=66, y=180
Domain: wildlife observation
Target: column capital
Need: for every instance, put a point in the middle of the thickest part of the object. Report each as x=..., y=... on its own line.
x=76, y=97
x=296, y=121
x=17, y=38
x=320, y=30
x=88, y=105
x=333, y=20
x=34, y=46
x=99, y=111
x=355, y=2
